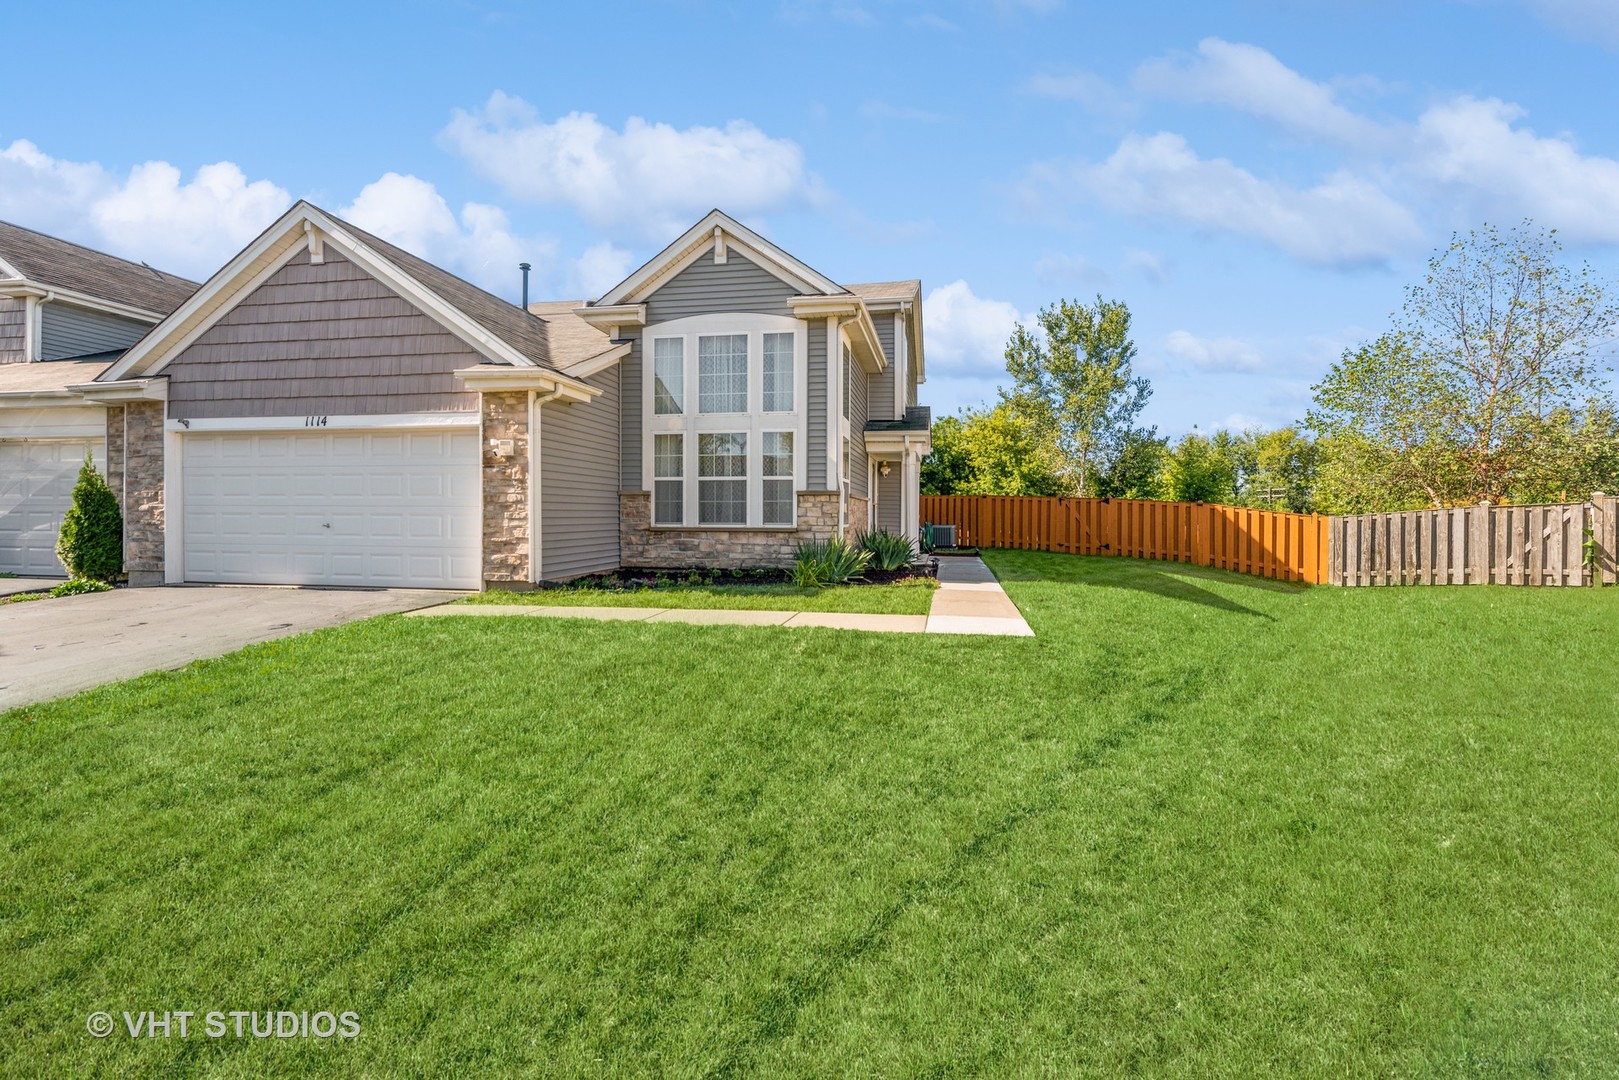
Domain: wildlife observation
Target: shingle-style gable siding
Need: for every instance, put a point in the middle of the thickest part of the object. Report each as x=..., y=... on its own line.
x=579, y=477
x=67, y=331
x=13, y=330
x=323, y=339
x=704, y=288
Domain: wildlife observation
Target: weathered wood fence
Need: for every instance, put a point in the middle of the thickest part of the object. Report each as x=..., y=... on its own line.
x=1478, y=545
x=1266, y=543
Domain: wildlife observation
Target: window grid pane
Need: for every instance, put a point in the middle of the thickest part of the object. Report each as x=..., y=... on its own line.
x=778, y=373
x=669, y=497
x=667, y=457
x=722, y=491
x=669, y=376
x=778, y=453
x=778, y=508
x=722, y=373
x=777, y=457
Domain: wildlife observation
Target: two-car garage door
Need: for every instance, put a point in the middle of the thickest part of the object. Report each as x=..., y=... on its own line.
x=355, y=508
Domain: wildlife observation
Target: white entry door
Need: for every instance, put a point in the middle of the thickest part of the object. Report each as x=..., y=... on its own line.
x=358, y=508
x=36, y=488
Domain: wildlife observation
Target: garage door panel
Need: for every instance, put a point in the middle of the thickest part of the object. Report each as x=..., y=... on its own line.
x=36, y=488
x=334, y=508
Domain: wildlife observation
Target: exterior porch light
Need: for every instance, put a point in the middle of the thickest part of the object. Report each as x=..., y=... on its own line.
x=884, y=468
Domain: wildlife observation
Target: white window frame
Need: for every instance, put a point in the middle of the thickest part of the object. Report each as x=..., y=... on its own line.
x=754, y=422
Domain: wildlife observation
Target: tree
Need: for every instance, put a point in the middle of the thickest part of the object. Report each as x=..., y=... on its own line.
x=1467, y=398
x=1136, y=470
x=1073, y=381
x=91, y=541
x=1200, y=469
x=989, y=452
x=1275, y=469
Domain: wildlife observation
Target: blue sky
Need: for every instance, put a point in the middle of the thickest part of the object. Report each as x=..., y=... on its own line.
x=1257, y=180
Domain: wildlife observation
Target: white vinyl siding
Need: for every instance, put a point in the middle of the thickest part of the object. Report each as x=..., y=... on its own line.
x=669, y=374
x=722, y=373
x=668, y=479
x=722, y=478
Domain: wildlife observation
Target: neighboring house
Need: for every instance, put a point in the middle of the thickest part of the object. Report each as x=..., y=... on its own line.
x=330, y=410
x=66, y=313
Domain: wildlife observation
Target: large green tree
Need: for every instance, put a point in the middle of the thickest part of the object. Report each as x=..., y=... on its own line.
x=1073, y=381
x=1491, y=375
x=989, y=452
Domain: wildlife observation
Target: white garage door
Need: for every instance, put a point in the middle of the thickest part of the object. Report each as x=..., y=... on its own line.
x=36, y=488
x=367, y=508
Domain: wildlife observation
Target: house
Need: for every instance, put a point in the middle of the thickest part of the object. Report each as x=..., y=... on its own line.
x=66, y=313
x=329, y=409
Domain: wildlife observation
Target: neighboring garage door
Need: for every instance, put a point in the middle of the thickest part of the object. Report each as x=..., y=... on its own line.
x=36, y=488
x=361, y=508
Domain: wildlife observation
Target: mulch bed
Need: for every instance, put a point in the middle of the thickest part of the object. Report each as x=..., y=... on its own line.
x=685, y=577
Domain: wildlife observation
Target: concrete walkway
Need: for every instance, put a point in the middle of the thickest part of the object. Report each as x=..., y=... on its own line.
x=968, y=601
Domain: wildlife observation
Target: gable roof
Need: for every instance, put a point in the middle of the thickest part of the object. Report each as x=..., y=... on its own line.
x=502, y=333
x=47, y=260
x=569, y=340
x=700, y=237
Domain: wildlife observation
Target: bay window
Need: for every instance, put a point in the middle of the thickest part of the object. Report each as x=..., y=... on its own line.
x=730, y=455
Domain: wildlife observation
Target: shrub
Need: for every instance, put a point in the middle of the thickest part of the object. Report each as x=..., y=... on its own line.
x=831, y=563
x=79, y=586
x=889, y=551
x=91, y=543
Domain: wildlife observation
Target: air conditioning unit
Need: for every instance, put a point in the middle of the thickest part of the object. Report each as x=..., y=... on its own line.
x=944, y=536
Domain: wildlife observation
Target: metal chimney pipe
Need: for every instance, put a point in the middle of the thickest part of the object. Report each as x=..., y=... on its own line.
x=524, y=267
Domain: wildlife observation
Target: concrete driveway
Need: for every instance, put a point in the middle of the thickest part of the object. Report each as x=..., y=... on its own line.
x=49, y=648
x=10, y=586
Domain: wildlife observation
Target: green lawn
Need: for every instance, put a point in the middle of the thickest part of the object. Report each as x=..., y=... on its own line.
x=1201, y=825
x=909, y=598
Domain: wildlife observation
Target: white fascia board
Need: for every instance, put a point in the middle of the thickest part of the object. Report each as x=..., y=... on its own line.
x=7, y=270
x=855, y=311
x=604, y=318
x=699, y=238
x=124, y=392
x=584, y=369
x=41, y=291
x=494, y=377
x=896, y=442
x=39, y=399
x=377, y=421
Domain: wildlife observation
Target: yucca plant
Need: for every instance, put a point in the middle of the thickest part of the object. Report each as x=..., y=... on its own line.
x=833, y=562
x=889, y=551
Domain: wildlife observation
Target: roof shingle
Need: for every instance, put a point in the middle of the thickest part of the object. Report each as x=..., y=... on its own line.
x=52, y=261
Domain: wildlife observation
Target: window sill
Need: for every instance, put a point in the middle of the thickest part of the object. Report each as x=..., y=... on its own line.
x=723, y=528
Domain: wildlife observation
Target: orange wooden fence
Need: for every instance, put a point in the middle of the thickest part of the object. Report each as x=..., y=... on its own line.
x=1266, y=543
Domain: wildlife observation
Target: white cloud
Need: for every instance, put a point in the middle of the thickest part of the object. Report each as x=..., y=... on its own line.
x=1147, y=265
x=1344, y=220
x=153, y=214
x=1250, y=79
x=1085, y=88
x=600, y=268
x=477, y=244
x=966, y=334
x=1221, y=354
x=651, y=178
x=1471, y=150
x=1598, y=19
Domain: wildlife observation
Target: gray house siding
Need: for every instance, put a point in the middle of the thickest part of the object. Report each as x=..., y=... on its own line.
x=815, y=475
x=323, y=339
x=859, y=483
x=882, y=385
x=888, y=495
x=706, y=286
x=629, y=413
x=13, y=330
x=67, y=331
x=579, y=479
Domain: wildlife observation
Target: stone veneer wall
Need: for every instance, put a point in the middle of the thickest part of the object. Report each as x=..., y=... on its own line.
x=505, y=490
x=642, y=545
x=859, y=522
x=141, y=473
